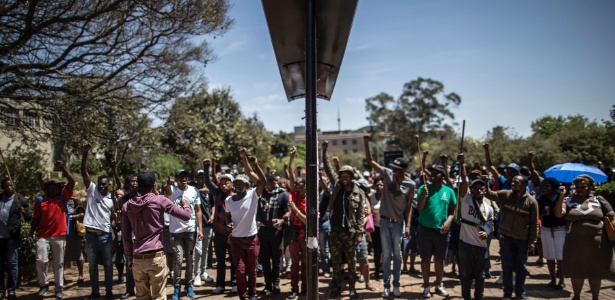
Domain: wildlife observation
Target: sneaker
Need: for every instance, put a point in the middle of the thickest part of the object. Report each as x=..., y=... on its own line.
x=190, y=291
x=127, y=295
x=276, y=289
x=396, y=292
x=176, y=291
x=205, y=277
x=197, y=281
x=59, y=295
x=234, y=289
x=266, y=292
x=292, y=295
x=43, y=290
x=218, y=290
x=426, y=293
x=441, y=291
x=385, y=293
x=361, y=279
x=500, y=280
x=353, y=294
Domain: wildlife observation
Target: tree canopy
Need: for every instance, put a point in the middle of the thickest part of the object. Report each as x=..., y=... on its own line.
x=100, y=57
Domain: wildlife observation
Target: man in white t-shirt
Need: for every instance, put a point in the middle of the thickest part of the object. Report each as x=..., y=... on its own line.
x=476, y=225
x=97, y=222
x=241, y=211
x=184, y=234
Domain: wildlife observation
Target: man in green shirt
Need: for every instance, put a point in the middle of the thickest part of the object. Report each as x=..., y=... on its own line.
x=436, y=205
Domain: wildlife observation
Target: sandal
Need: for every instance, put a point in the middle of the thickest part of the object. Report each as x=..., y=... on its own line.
x=370, y=287
x=560, y=286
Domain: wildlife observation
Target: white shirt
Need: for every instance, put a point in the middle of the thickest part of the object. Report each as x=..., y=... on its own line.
x=243, y=214
x=469, y=233
x=194, y=198
x=98, y=209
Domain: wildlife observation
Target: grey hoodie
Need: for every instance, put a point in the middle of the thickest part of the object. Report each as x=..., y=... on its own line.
x=143, y=216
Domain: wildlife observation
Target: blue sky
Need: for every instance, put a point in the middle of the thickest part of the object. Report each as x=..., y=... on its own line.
x=510, y=61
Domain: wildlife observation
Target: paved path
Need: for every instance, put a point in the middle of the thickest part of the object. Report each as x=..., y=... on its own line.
x=536, y=286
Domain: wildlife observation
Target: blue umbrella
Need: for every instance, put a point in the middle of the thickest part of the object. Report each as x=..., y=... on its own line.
x=569, y=171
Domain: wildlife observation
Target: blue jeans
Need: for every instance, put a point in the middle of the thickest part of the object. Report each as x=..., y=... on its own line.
x=130, y=279
x=514, y=259
x=9, y=251
x=99, y=249
x=323, y=238
x=391, y=234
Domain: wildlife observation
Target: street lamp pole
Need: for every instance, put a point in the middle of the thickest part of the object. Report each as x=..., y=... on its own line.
x=311, y=150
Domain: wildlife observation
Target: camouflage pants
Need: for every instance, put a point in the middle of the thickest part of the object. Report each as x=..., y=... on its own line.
x=343, y=250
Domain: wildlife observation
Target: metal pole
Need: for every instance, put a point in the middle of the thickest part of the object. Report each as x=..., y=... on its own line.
x=311, y=151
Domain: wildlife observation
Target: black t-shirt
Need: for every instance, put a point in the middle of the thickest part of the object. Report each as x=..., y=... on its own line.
x=339, y=219
x=550, y=220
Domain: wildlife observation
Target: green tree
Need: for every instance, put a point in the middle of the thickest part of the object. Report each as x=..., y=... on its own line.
x=24, y=161
x=423, y=109
x=210, y=124
x=58, y=56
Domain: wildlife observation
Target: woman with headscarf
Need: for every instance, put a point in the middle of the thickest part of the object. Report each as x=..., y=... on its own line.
x=552, y=232
x=587, y=250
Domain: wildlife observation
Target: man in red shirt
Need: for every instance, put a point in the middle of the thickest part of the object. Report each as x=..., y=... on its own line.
x=49, y=221
x=297, y=246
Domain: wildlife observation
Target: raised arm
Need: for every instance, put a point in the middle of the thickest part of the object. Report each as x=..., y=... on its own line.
x=463, y=187
x=116, y=176
x=336, y=163
x=85, y=150
x=424, y=163
x=247, y=167
x=207, y=177
x=291, y=171
x=489, y=163
x=70, y=187
x=368, y=154
x=533, y=173
x=260, y=185
x=560, y=207
x=328, y=169
x=168, y=189
x=444, y=163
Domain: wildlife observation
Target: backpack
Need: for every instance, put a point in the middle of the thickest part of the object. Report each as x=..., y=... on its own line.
x=39, y=199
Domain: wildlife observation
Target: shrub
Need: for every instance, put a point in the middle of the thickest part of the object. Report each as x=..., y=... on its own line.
x=607, y=191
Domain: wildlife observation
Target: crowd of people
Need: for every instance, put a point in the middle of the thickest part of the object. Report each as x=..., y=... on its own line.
x=252, y=219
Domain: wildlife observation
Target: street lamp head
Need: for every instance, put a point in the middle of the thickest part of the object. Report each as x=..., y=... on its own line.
x=287, y=26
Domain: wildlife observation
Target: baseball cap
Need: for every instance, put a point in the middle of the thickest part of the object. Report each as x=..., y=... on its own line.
x=199, y=172
x=243, y=178
x=438, y=168
x=346, y=168
x=399, y=163
x=514, y=166
x=180, y=172
x=226, y=176
x=477, y=181
x=501, y=166
x=146, y=178
x=54, y=181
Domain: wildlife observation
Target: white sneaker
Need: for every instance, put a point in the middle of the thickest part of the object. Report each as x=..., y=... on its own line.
x=426, y=293
x=361, y=279
x=205, y=277
x=385, y=293
x=234, y=289
x=218, y=290
x=197, y=281
x=441, y=291
x=396, y=292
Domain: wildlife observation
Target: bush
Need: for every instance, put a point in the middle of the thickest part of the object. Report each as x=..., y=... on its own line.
x=608, y=192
